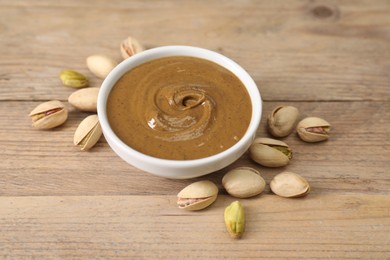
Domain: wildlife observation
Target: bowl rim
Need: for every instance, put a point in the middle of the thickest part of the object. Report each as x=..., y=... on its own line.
x=179, y=50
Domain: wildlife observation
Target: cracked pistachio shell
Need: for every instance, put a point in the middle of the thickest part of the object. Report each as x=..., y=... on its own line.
x=282, y=120
x=313, y=129
x=88, y=133
x=85, y=99
x=235, y=219
x=130, y=46
x=100, y=65
x=49, y=114
x=73, y=79
x=243, y=182
x=270, y=152
x=289, y=184
x=197, y=195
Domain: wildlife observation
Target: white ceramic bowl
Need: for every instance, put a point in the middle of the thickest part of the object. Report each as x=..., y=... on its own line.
x=179, y=169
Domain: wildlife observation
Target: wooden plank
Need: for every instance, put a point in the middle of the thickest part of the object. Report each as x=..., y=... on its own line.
x=34, y=162
x=293, y=50
x=328, y=58
x=143, y=227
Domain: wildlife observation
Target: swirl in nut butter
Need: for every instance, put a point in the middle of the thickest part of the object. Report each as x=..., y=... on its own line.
x=179, y=108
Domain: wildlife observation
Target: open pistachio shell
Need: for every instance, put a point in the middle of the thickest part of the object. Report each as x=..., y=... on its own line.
x=197, y=195
x=130, y=46
x=100, y=65
x=270, y=152
x=289, y=184
x=88, y=133
x=49, y=114
x=313, y=129
x=85, y=99
x=282, y=120
x=243, y=182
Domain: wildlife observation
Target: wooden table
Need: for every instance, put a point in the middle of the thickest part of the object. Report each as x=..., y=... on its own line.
x=328, y=58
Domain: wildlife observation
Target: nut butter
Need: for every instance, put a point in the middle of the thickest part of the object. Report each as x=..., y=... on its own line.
x=179, y=108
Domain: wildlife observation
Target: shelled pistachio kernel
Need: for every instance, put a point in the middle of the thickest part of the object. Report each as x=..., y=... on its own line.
x=282, y=120
x=49, y=114
x=197, y=195
x=313, y=129
x=87, y=133
x=270, y=152
x=235, y=219
x=73, y=79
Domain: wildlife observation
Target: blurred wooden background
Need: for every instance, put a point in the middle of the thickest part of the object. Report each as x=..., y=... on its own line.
x=328, y=58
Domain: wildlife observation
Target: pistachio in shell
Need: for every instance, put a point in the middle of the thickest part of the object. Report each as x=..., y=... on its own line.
x=313, y=129
x=100, y=65
x=270, y=152
x=85, y=99
x=289, y=184
x=243, y=182
x=282, y=120
x=197, y=195
x=49, y=114
x=130, y=46
x=87, y=133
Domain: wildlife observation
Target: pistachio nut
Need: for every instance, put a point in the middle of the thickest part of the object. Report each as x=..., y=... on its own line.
x=235, y=219
x=243, y=182
x=100, y=65
x=73, y=79
x=270, y=152
x=289, y=184
x=88, y=133
x=197, y=195
x=282, y=120
x=130, y=46
x=313, y=129
x=49, y=115
x=85, y=99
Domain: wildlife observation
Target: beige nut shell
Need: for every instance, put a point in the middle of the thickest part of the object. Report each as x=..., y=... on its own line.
x=88, y=133
x=85, y=99
x=262, y=152
x=51, y=120
x=206, y=191
x=100, y=65
x=282, y=120
x=130, y=46
x=310, y=122
x=289, y=184
x=243, y=182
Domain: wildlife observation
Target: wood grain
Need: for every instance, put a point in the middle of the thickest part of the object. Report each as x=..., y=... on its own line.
x=46, y=162
x=286, y=48
x=106, y=227
x=328, y=58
